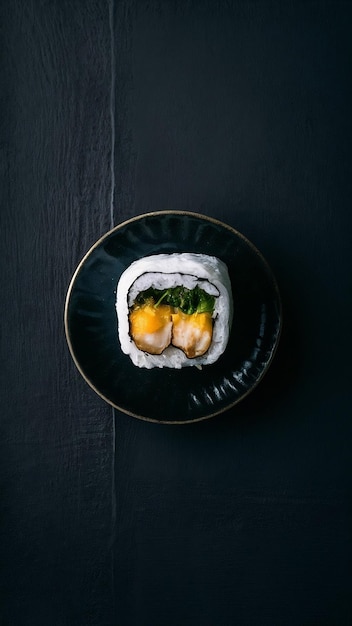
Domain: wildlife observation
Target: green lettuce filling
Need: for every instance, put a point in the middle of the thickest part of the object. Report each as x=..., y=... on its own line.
x=187, y=300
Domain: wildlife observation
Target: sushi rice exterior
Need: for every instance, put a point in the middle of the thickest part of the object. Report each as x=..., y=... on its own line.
x=162, y=271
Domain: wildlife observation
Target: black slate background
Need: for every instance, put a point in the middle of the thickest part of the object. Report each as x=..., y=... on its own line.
x=242, y=111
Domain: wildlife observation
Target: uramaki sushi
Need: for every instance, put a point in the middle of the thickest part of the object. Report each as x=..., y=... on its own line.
x=174, y=310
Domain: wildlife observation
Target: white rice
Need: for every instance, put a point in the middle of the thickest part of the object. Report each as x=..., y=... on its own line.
x=162, y=271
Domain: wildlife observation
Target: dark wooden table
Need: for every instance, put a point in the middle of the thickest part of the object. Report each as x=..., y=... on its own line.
x=241, y=111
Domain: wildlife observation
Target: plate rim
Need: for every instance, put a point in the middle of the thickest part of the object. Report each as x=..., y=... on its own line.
x=180, y=213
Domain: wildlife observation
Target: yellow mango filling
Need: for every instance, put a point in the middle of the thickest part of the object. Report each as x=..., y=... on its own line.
x=148, y=319
x=154, y=328
x=202, y=321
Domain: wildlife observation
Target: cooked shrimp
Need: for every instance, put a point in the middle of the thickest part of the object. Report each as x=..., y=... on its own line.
x=192, y=333
x=151, y=328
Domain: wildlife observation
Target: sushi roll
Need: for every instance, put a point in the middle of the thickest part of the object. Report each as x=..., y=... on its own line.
x=174, y=310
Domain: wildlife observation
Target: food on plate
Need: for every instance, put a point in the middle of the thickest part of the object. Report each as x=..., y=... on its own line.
x=174, y=310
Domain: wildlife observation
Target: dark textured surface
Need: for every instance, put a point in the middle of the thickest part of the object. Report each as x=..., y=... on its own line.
x=239, y=110
x=56, y=436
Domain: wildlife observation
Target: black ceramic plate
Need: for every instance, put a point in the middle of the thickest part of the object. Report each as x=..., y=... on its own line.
x=166, y=395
